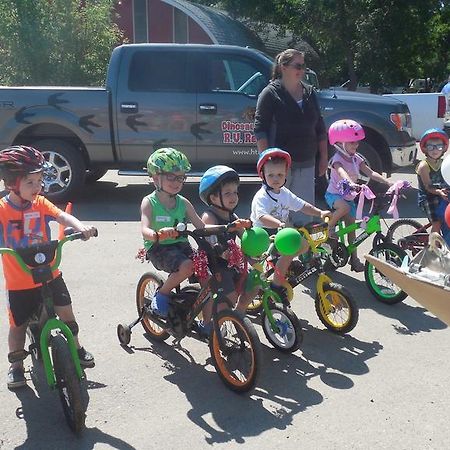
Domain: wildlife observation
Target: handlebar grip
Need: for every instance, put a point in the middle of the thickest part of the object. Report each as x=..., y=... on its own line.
x=78, y=235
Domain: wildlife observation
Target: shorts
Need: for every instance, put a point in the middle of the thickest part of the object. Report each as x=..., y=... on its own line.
x=331, y=198
x=23, y=304
x=169, y=257
x=230, y=278
x=430, y=207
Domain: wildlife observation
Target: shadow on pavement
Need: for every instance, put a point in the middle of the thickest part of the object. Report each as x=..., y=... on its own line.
x=281, y=391
x=46, y=425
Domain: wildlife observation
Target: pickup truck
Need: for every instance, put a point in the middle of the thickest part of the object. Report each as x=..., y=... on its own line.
x=427, y=111
x=198, y=98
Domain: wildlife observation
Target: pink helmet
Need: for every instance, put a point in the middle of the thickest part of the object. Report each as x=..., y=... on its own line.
x=345, y=130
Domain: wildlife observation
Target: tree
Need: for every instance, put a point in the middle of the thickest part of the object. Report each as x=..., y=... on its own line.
x=376, y=41
x=56, y=42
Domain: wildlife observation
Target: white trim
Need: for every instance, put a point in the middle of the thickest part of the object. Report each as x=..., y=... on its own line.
x=188, y=13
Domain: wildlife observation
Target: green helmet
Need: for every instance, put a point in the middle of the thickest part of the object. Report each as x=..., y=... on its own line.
x=167, y=160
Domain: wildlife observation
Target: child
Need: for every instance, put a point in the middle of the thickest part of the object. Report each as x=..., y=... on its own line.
x=162, y=210
x=346, y=164
x=219, y=190
x=433, y=143
x=24, y=219
x=272, y=203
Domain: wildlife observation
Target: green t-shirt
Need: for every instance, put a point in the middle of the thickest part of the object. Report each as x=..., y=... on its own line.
x=163, y=217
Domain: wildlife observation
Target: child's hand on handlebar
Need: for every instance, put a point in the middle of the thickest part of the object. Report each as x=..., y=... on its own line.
x=443, y=193
x=239, y=224
x=167, y=233
x=88, y=231
x=325, y=213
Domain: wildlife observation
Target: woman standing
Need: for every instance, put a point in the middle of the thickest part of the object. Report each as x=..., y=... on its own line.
x=288, y=117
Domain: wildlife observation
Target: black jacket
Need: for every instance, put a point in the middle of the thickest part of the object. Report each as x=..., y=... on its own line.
x=288, y=126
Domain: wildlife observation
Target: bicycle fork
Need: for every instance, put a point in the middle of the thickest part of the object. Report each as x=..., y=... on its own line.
x=328, y=305
x=56, y=324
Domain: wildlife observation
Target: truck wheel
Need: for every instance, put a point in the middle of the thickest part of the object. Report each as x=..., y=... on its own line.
x=68, y=171
x=371, y=157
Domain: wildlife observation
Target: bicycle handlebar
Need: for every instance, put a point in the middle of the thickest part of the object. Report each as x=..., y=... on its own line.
x=41, y=254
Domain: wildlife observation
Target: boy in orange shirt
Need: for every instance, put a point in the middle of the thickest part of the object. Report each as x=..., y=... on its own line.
x=24, y=220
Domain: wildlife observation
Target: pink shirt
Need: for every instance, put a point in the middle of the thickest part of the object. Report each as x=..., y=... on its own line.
x=350, y=165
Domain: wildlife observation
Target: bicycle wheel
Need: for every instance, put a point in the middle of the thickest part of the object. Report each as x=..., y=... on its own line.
x=379, y=285
x=337, y=310
x=402, y=231
x=68, y=383
x=239, y=362
x=289, y=336
x=147, y=286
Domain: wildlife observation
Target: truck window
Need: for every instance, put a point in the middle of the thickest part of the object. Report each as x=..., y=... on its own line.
x=158, y=72
x=235, y=74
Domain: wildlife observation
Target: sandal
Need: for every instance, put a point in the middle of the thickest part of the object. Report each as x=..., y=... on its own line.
x=356, y=265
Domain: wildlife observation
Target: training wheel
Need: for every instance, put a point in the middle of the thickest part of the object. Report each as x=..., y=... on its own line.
x=124, y=334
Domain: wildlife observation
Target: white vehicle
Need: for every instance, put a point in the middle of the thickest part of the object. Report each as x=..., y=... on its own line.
x=427, y=110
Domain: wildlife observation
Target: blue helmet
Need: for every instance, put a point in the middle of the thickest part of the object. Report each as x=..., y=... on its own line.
x=213, y=178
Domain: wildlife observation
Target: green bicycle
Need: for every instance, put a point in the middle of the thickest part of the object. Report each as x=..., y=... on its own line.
x=338, y=255
x=334, y=304
x=47, y=333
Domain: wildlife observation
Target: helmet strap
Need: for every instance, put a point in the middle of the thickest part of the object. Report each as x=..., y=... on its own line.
x=161, y=189
x=221, y=206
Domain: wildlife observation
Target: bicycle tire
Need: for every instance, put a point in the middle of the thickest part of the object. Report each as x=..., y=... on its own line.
x=146, y=288
x=388, y=292
x=402, y=228
x=242, y=345
x=290, y=336
x=68, y=384
x=337, y=300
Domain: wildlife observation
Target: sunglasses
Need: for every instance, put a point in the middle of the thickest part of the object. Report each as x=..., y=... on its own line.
x=431, y=147
x=172, y=177
x=298, y=66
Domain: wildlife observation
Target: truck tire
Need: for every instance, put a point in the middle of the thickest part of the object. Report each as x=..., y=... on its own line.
x=68, y=172
x=371, y=156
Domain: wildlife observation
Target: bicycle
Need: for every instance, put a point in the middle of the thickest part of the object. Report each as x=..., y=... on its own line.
x=234, y=344
x=339, y=254
x=411, y=235
x=280, y=324
x=63, y=371
x=334, y=304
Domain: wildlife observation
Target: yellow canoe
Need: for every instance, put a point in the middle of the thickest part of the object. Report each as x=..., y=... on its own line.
x=431, y=296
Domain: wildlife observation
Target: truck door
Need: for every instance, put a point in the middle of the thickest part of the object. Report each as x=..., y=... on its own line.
x=228, y=87
x=156, y=104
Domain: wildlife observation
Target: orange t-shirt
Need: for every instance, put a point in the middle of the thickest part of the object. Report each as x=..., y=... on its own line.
x=21, y=227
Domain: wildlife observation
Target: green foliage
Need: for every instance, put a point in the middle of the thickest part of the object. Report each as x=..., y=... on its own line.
x=372, y=41
x=56, y=42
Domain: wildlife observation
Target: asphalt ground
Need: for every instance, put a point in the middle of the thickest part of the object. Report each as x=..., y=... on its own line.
x=383, y=386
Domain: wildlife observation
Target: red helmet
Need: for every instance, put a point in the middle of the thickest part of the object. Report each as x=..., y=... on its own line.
x=433, y=133
x=269, y=154
x=21, y=160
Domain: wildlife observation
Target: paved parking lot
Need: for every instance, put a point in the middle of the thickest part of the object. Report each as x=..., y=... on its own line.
x=381, y=387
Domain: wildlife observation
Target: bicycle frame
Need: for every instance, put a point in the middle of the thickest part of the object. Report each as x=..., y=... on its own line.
x=373, y=225
x=42, y=274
